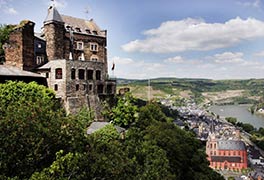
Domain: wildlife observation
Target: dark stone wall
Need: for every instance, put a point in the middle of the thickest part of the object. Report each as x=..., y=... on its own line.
x=19, y=51
x=28, y=47
x=54, y=35
x=87, y=40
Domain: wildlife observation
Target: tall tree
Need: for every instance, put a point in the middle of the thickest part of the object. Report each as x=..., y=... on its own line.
x=4, y=35
x=33, y=127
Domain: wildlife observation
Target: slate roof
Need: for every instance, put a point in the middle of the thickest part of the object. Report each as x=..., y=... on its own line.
x=231, y=145
x=14, y=71
x=53, y=15
x=99, y=125
x=235, y=159
x=82, y=26
x=40, y=36
x=52, y=63
x=96, y=126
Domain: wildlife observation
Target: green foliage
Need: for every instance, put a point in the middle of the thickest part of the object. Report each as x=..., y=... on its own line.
x=33, y=127
x=232, y=120
x=106, y=134
x=101, y=161
x=4, y=35
x=125, y=113
x=246, y=126
x=180, y=153
x=258, y=138
x=38, y=141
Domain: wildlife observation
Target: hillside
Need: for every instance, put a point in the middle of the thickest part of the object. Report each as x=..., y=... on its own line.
x=202, y=90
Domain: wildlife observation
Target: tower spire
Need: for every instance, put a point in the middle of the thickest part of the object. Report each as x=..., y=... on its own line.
x=53, y=15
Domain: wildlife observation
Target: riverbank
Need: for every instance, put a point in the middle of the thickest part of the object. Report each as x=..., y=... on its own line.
x=240, y=112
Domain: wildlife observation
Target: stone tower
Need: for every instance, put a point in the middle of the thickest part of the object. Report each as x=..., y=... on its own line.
x=20, y=48
x=77, y=62
x=54, y=34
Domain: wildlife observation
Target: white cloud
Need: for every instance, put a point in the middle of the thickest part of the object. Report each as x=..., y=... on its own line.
x=119, y=60
x=5, y=7
x=11, y=11
x=226, y=65
x=228, y=57
x=195, y=34
x=176, y=59
x=254, y=4
x=259, y=54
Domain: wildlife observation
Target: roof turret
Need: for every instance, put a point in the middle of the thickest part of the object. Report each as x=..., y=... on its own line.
x=53, y=15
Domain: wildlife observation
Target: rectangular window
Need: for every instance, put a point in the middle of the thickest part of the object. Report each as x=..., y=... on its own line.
x=72, y=73
x=109, y=89
x=90, y=87
x=47, y=75
x=90, y=74
x=94, y=47
x=98, y=75
x=77, y=87
x=81, y=73
x=58, y=73
x=79, y=45
x=56, y=87
x=39, y=60
x=100, y=89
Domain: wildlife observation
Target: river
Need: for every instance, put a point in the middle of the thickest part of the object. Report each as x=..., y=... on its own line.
x=240, y=112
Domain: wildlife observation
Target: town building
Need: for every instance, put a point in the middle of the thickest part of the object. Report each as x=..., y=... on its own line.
x=70, y=53
x=226, y=154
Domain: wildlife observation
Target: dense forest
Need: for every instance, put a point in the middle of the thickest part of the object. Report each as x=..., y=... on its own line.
x=38, y=140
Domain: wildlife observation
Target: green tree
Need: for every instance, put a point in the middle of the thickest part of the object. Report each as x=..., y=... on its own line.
x=125, y=112
x=33, y=127
x=184, y=154
x=102, y=160
x=232, y=120
x=4, y=35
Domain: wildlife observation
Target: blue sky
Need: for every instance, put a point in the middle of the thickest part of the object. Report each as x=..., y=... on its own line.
x=216, y=39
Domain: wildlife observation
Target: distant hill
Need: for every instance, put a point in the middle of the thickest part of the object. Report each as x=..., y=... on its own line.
x=252, y=88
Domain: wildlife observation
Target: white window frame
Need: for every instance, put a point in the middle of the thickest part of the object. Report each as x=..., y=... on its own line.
x=94, y=47
x=39, y=59
x=79, y=45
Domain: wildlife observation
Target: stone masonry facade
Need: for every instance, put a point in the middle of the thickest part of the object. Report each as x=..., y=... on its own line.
x=71, y=53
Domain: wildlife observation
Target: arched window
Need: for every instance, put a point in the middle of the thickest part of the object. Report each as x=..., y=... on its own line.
x=98, y=75
x=73, y=73
x=81, y=74
x=58, y=73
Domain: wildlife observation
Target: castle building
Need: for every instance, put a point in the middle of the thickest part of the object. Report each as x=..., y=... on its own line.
x=226, y=154
x=70, y=53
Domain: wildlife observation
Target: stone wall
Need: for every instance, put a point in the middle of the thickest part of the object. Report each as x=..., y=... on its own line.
x=87, y=40
x=60, y=83
x=54, y=35
x=28, y=46
x=19, y=51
